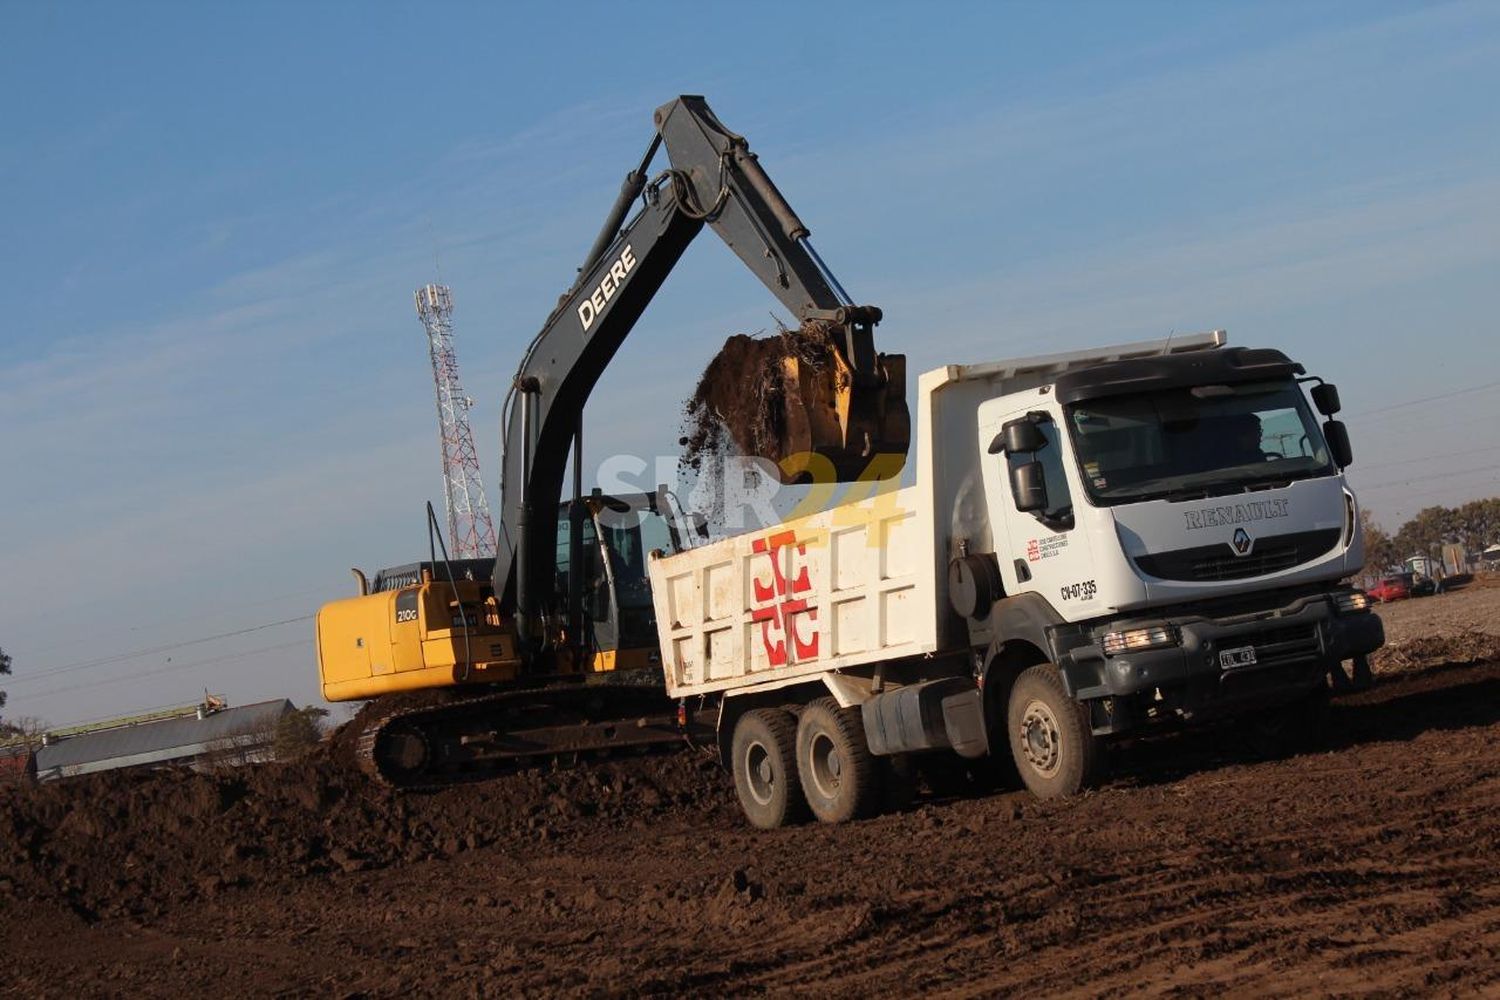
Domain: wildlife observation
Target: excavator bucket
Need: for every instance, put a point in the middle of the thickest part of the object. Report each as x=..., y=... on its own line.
x=835, y=429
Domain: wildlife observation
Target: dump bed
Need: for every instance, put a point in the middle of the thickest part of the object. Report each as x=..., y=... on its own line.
x=839, y=588
x=865, y=581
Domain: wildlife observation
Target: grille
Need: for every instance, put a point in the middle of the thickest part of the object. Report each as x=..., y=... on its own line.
x=1218, y=561
x=1298, y=642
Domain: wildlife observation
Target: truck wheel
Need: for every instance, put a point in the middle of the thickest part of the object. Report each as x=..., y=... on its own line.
x=838, y=773
x=765, y=768
x=1050, y=738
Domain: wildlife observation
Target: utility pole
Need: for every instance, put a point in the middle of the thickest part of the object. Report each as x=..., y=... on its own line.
x=471, y=533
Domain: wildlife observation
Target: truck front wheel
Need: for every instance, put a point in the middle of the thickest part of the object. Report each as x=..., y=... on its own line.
x=839, y=776
x=1054, y=748
x=765, y=768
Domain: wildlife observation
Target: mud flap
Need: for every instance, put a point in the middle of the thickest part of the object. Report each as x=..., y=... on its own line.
x=1358, y=679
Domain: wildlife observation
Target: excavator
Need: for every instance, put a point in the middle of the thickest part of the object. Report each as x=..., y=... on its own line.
x=550, y=649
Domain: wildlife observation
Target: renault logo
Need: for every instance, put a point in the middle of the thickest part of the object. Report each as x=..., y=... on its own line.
x=1241, y=542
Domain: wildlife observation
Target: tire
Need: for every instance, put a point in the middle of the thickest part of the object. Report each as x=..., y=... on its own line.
x=765, y=768
x=1054, y=748
x=839, y=776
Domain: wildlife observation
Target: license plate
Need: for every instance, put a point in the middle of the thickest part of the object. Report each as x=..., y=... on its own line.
x=1242, y=656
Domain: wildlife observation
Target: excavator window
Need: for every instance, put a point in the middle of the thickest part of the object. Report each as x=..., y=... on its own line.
x=630, y=538
x=592, y=570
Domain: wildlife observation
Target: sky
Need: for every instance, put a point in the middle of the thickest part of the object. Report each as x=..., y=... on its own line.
x=215, y=395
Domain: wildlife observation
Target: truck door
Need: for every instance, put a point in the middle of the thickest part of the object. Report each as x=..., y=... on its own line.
x=1046, y=552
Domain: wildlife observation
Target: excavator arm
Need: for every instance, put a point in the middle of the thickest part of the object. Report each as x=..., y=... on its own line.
x=847, y=416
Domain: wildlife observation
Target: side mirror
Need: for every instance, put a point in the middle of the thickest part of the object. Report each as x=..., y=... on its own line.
x=1325, y=397
x=1018, y=437
x=1029, y=487
x=1337, y=436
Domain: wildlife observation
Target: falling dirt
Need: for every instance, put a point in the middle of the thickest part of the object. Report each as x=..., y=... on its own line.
x=739, y=405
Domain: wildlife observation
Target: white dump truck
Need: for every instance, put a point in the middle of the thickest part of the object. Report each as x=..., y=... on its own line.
x=1095, y=543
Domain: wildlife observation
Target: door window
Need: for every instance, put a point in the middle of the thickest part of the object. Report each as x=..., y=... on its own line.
x=1059, y=512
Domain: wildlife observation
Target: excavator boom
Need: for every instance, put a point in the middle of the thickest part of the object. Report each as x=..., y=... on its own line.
x=848, y=416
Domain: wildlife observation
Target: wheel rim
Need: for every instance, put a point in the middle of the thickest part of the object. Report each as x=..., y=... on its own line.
x=760, y=776
x=1040, y=738
x=826, y=765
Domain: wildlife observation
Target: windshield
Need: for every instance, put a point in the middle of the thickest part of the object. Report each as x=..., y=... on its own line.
x=630, y=538
x=1197, y=441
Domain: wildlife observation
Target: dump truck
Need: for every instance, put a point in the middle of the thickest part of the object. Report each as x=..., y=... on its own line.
x=1096, y=544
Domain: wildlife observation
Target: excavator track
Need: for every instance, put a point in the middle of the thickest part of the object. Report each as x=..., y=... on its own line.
x=473, y=737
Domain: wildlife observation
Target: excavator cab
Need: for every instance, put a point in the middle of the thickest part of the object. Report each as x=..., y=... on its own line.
x=616, y=627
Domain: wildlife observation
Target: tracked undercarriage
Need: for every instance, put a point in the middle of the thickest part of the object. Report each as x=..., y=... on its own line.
x=458, y=736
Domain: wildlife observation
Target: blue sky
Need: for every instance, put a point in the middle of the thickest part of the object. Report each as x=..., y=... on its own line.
x=213, y=389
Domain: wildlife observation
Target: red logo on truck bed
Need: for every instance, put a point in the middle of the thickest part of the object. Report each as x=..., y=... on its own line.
x=776, y=621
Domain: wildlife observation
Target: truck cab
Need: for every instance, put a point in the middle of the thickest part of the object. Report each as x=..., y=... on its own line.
x=1180, y=525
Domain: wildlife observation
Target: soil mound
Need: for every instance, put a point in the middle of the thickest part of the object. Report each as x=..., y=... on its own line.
x=1459, y=648
x=739, y=406
x=131, y=843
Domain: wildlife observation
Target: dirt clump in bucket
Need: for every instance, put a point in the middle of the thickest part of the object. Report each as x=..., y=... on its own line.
x=740, y=404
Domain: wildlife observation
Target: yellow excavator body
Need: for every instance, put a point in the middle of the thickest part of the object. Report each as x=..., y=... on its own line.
x=431, y=634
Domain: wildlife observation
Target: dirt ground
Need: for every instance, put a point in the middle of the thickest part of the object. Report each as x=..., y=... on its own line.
x=1366, y=869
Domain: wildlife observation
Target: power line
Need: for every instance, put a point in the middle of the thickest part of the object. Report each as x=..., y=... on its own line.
x=1430, y=458
x=1426, y=399
x=165, y=670
x=1417, y=500
x=1415, y=479
x=161, y=623
x=120, y=657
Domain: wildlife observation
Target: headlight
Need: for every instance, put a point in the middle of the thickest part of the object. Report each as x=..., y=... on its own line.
x=1136, y=639
x=1354, y=600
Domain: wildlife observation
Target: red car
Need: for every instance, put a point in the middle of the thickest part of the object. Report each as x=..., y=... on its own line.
x=1390, y=588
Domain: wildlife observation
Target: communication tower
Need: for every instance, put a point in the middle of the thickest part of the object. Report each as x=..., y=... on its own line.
x=471, y=533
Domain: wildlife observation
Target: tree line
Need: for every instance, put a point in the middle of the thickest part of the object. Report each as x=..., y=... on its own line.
x=1474, y=525
x=5, y=730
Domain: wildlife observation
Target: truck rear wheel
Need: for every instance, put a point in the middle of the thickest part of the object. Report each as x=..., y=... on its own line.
x=1050, y=738
x=765, y=768
x=838, y=773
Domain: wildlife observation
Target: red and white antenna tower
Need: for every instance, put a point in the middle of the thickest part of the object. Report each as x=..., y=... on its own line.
x=471, y=533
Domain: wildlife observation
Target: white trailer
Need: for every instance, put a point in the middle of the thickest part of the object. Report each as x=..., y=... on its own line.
x=1095, y=542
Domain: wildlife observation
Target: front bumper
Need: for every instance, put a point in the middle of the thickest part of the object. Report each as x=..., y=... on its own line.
x=1295, y=648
